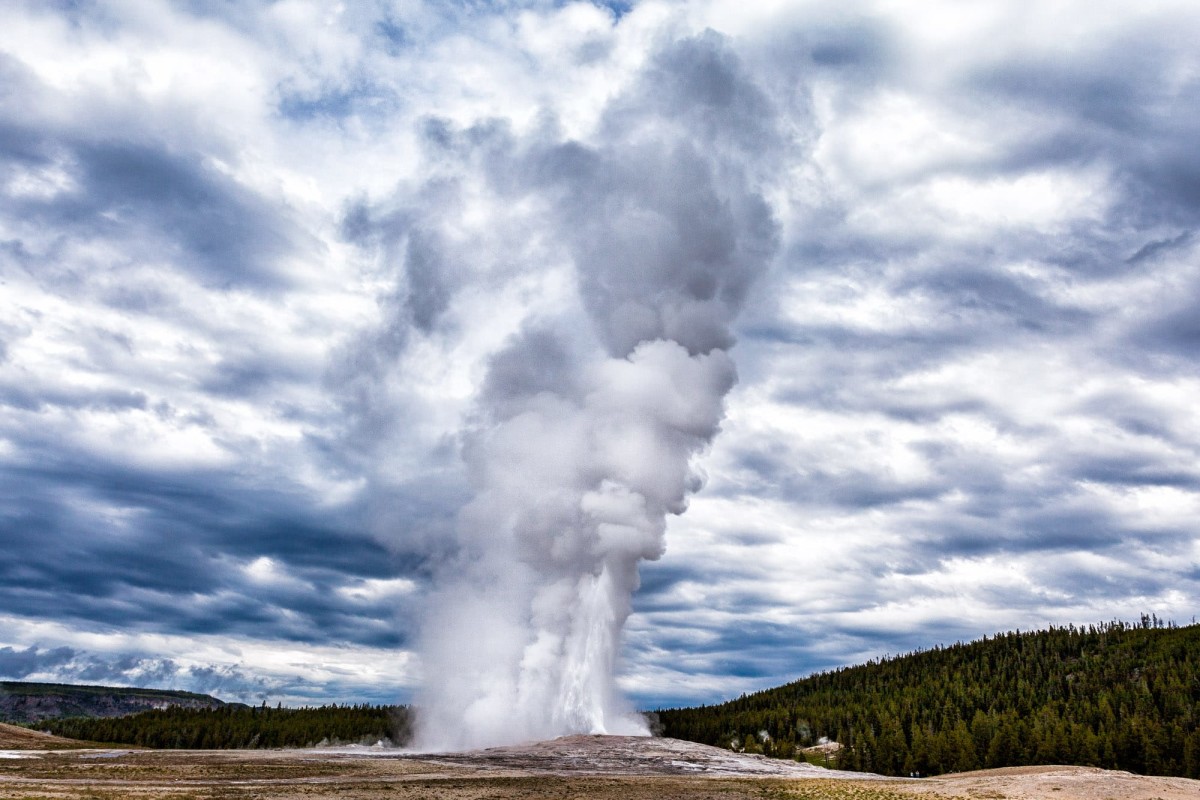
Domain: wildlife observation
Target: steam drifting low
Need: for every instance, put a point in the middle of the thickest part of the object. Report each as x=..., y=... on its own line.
x=584, y=434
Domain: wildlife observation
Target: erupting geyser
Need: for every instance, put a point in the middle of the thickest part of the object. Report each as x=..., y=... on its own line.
x=586, y=429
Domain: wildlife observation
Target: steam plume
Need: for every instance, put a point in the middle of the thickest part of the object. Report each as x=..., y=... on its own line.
x=585, y=436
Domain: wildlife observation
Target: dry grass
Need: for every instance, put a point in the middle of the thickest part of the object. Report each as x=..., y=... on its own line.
x=483, y=788
x=309, y=775
x=293, y=775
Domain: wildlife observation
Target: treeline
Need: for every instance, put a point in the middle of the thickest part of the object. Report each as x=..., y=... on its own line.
x=1115, y=695
x=243, y=727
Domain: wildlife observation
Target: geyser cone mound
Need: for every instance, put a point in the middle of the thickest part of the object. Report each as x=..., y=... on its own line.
x=634, y=755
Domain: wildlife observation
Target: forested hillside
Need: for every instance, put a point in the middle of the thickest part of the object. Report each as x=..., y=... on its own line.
x=1113, y=695
x=243, y=727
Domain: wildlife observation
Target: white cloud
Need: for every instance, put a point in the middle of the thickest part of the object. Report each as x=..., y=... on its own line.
x=967, y=397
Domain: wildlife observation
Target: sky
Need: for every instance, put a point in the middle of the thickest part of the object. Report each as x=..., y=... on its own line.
x=261, y=264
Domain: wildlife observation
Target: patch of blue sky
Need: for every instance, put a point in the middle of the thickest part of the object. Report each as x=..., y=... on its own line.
x=339, y=103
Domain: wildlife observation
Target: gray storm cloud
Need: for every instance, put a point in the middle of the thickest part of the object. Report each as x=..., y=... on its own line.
x=968, y=379
x=585, y=435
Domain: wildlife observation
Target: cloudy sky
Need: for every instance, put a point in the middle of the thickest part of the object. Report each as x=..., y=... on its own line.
x=258, y=259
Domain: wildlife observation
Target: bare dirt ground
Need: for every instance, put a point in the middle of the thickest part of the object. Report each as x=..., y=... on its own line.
x=574, y=767
x=1085, y=783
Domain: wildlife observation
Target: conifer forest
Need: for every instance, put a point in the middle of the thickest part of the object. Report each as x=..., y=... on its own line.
x=1114, y=695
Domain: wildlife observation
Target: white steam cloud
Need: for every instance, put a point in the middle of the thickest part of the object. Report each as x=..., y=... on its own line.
x=584, y=438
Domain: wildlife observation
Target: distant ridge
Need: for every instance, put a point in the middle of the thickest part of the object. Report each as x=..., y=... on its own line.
x=1114, y=695
x=24, y=702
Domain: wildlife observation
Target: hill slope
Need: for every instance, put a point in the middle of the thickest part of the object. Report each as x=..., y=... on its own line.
x=34, y=702
x=1115, y=696
x=13, y=737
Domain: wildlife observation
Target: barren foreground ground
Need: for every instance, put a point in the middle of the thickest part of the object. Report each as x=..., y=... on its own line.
x=576, y=767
